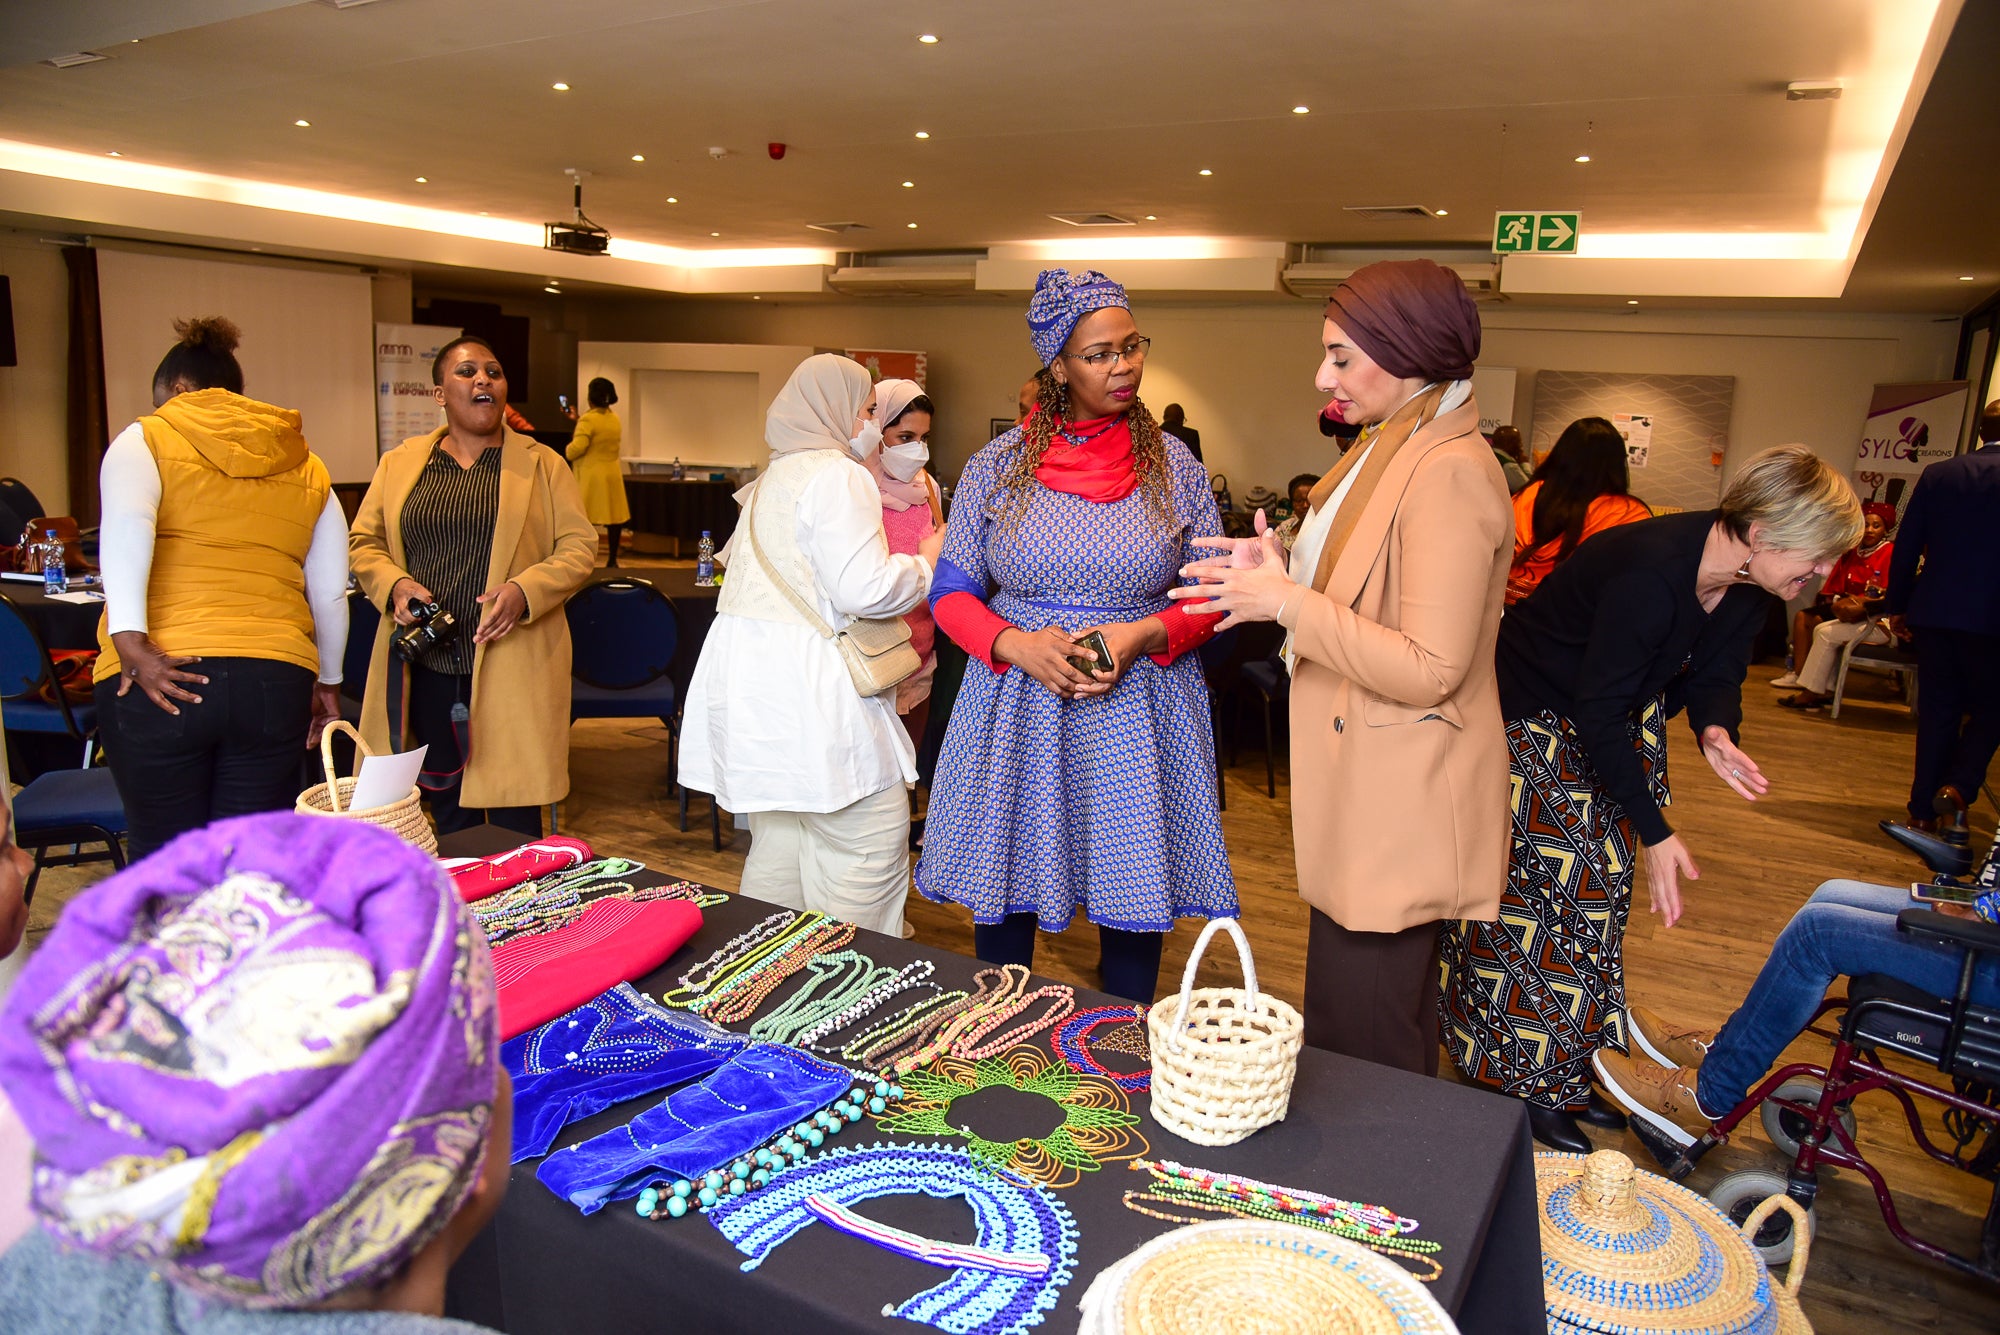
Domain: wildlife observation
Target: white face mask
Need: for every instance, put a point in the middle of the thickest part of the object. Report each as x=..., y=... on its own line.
x=868, y=441
x=904, y=462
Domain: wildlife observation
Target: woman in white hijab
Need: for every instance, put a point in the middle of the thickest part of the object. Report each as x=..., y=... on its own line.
x=774, y=727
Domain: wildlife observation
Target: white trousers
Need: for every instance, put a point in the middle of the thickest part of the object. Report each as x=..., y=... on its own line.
x=852, y=864
x=1823, y=659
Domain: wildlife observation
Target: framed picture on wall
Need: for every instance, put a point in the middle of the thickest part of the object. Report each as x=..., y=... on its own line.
x=998, y=426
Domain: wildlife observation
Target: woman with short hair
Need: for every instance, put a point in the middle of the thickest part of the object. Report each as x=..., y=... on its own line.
x=593, y=452
x=1581, y=489
x=1642, y=622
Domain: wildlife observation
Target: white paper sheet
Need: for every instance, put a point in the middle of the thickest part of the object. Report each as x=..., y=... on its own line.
x=76, y=596
x=386, y=779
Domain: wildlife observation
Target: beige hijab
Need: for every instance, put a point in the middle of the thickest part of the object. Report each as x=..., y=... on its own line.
x=817, y=407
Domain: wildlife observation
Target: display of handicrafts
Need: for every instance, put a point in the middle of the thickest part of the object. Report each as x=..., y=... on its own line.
x=1004, y=1283
x=1098, y=1122
x=1125, y=1034
x=1176, y=1187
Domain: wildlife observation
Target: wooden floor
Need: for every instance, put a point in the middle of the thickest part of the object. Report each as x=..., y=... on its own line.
x=1831, y=781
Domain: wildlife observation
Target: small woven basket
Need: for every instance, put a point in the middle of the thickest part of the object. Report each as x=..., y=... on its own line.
x=405, y=818
x=1224, y=1057
x=1785, y=1297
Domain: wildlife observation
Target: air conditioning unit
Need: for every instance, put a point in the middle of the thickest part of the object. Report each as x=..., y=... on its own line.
x=1317, y=281
x=903, y=280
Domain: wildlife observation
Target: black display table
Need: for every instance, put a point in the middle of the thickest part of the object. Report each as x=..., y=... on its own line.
x=61, y=625
x=682, y=510
x=1457, y=1159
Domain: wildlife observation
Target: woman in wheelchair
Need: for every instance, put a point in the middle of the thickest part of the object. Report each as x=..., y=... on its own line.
x=1688, y=1078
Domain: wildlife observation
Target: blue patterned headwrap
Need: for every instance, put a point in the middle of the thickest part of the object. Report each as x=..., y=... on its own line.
x=1060, y=300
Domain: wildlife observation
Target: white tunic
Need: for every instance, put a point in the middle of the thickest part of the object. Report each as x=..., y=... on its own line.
x=773, y=722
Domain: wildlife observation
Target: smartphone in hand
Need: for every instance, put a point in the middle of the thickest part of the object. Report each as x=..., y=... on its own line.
x=1098, y=654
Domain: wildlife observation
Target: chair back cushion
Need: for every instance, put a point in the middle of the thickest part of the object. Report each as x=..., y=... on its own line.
x=23, y=665
x=622, y=632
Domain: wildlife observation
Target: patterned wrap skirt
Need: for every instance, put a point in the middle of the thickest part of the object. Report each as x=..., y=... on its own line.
x=1529, y=997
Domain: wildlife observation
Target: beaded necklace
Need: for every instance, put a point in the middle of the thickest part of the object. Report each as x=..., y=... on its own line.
x=997, y=988
x=742, y=952
x=902, y=980
x=738, y=999
x=1072, y=1036
x=850, y=973
x=686, y=890
x=511, y=910
x=974, y=1043
x=896, y=1031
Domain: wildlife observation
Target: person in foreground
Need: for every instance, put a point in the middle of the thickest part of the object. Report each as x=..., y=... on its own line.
x=1846, y=929
x=261, y=1072
x=1392, y=598
x=1641, y=622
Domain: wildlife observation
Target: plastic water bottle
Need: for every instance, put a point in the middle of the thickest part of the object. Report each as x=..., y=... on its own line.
x=55, y=576
x=704, y=561
x=677, y=473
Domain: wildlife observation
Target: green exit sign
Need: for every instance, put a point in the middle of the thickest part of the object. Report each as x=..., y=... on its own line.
x=1536, y=233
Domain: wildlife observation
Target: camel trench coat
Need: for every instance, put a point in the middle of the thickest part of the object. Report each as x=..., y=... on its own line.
x=544, y=543
x=1399, y=757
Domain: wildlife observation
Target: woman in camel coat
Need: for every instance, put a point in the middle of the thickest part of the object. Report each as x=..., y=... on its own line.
x=1392, y=598
x=514, y=548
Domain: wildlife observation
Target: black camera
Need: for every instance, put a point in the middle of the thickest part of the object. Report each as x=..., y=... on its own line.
x=434, y=626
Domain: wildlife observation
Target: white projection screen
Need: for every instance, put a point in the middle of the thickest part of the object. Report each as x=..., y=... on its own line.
x=308, y=342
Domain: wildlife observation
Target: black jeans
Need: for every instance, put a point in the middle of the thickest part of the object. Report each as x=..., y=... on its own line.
x=1129, y=961
x=1958, y=713
x=235, y=753
x=432, y=694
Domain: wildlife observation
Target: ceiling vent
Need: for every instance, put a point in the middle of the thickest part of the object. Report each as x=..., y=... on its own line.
x=903, y=280
x=1093, y=220
x=838, y=228
x=1390, y=212
x=1317, y=281
x=75, y=58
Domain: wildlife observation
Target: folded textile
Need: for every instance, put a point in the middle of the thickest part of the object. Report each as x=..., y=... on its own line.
x=476, y=878
x=749, y=1099
x=612, y=941
x=613, y=1047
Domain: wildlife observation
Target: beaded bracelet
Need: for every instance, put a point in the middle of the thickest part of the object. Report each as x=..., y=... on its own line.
x=976, y=1043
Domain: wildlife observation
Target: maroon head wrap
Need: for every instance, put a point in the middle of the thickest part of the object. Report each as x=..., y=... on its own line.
x=1413, y=317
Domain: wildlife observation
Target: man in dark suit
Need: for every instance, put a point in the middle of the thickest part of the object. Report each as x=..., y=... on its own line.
x=1173, y=421
x=1951, y=609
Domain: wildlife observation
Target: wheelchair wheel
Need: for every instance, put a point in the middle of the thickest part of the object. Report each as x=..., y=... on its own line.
x=1740, y=1193
x=1786, y=1128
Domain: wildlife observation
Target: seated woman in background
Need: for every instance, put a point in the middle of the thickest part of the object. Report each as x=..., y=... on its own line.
x=1581, y=489
x=1840, y=615
x=593, y=452
x=1512, y=456
x=911, y=512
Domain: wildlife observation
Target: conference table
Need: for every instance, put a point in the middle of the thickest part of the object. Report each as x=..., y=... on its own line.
x=1457, y=1159
x=61, y=624
x=682, y=510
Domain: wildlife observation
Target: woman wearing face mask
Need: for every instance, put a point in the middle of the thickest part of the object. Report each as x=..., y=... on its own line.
x=774, y=727
x=911, y=512
x=1061, y=789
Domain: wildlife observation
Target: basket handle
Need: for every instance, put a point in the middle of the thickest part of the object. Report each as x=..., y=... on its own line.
x=1194, y=961
x=1795, y=1274
x=361, y=752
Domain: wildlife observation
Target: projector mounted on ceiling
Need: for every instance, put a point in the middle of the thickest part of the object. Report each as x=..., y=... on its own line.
x=578, y=236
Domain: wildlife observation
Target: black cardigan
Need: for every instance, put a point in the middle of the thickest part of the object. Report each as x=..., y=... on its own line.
x=1612, y=627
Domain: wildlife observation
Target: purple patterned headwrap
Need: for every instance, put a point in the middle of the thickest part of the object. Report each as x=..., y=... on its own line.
x=263, y=1059
x=1413, y=317
x=1060, y=300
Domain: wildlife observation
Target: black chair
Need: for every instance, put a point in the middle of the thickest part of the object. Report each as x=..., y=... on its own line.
x=27, y=685
x=1219, y=663
x=17, y=496
x=69, y=806
x=623, y=633
x=1273, y=685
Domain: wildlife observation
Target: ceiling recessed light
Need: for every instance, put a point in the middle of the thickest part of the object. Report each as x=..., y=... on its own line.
x=560, y=87
x=1152, y=217
x=911, y=226
x=114, y=153
x=638, y=157
x=928, y=39
x=909, y=185
x=715, y=234
x=303, y=125
x=484, y=214
x=1963, y=278
x=1440, y=212
x=755, y=297
x=1632, y=301
x=1583, y=157
x=672, y=200
x=1301, y=111
x=423, y=180
x=553, y=288
x=1206, y=172
x=923, y=134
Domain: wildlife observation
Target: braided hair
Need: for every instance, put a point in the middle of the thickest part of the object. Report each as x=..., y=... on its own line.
x=1149, y=454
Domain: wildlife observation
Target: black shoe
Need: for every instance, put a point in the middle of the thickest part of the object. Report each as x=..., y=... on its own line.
x=1558, y=1130
x=1601, y=1113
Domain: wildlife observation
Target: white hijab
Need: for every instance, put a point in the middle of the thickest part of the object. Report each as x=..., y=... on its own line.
x=817, y=407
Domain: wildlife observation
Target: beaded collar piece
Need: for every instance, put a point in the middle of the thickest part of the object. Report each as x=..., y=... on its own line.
x=1127, y=1036
x=1022, y=1228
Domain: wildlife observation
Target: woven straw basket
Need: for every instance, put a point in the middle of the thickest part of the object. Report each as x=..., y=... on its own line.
x=1785, y=1297
x=1224, y=1058
x=404, y=818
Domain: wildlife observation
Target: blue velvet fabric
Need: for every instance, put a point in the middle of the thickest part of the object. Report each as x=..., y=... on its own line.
x=747, y=1101
x=616, y=1047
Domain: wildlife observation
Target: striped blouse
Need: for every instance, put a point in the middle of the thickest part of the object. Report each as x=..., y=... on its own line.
x=448, y=543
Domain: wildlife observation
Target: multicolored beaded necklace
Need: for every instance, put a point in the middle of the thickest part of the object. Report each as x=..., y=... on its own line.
x=1072, y=1043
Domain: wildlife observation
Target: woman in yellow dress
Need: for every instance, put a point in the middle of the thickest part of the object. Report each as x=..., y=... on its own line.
x=593, y=453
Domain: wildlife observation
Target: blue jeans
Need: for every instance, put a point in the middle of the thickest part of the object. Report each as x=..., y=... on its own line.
x=1846, y=928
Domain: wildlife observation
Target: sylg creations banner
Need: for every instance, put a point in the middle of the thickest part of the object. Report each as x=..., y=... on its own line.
x=1909, y=427
x=403, y=403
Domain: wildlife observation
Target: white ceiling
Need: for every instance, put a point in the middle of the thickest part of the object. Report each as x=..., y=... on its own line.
x=1034, y=107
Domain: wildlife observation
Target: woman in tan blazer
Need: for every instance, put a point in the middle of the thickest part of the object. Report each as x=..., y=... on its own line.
x=1392, y=598
x=487, y=526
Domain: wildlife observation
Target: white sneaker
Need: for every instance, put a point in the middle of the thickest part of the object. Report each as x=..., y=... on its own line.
x=1787, y=682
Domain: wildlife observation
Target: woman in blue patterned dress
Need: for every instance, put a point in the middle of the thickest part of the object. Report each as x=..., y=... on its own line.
x=1057, y=788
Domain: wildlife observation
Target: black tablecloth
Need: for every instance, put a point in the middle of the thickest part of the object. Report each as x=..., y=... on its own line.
x=1457, y=1159
x=61, y=625
x=682, y=510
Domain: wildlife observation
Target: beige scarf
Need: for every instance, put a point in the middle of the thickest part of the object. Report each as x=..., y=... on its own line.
x=1389, y=439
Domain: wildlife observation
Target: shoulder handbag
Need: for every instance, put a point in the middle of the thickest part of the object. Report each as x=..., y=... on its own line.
x=876, y=651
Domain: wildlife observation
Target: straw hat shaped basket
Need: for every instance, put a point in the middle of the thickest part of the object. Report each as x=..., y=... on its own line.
x=1223, y=1057
x=404, y=817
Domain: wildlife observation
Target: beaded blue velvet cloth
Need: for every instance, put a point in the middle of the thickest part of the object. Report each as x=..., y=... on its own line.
x=1012, y=1215
x=615, y=1047
x=750, y=1098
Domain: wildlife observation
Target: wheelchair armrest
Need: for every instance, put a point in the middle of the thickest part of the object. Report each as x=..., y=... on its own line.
x=1968, y=932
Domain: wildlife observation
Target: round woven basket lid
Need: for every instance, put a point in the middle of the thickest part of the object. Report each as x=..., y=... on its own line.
x=1626, y=1252
x=1250, y=1277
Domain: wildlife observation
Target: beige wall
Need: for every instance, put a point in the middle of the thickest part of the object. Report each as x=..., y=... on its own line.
x=34, y=395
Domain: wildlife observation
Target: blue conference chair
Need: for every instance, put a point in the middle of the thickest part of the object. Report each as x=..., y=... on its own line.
x=623, y=633
x=27, y=678
x=69, y=806
x=1273, y=685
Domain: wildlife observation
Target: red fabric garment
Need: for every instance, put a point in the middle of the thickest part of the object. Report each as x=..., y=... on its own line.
x=1186, y=630
x=613, y=942
x=1856, y=574
x=476, y=878
x=1098, y=470
x=972, y=625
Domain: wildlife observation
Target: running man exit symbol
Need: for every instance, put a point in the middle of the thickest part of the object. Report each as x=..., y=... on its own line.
x=1539, y=233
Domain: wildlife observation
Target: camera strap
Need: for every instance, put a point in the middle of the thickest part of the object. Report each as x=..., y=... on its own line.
x=430, y=780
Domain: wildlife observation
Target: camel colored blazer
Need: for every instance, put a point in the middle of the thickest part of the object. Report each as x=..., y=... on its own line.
x=543, y=542
x=1399, y=758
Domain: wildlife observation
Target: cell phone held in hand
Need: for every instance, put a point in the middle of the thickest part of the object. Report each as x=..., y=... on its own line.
x=1099, y=654
x=1927, y=892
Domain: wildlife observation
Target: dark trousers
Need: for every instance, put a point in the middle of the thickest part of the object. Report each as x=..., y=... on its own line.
x=432, y=694
x=235, y=753
x=1373, y=995
x=1958, y=713
x=1129, y=961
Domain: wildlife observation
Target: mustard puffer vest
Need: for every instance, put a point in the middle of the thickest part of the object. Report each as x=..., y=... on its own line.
x=239, y=495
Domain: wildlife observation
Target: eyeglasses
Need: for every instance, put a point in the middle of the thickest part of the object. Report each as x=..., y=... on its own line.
x=1133, y=352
